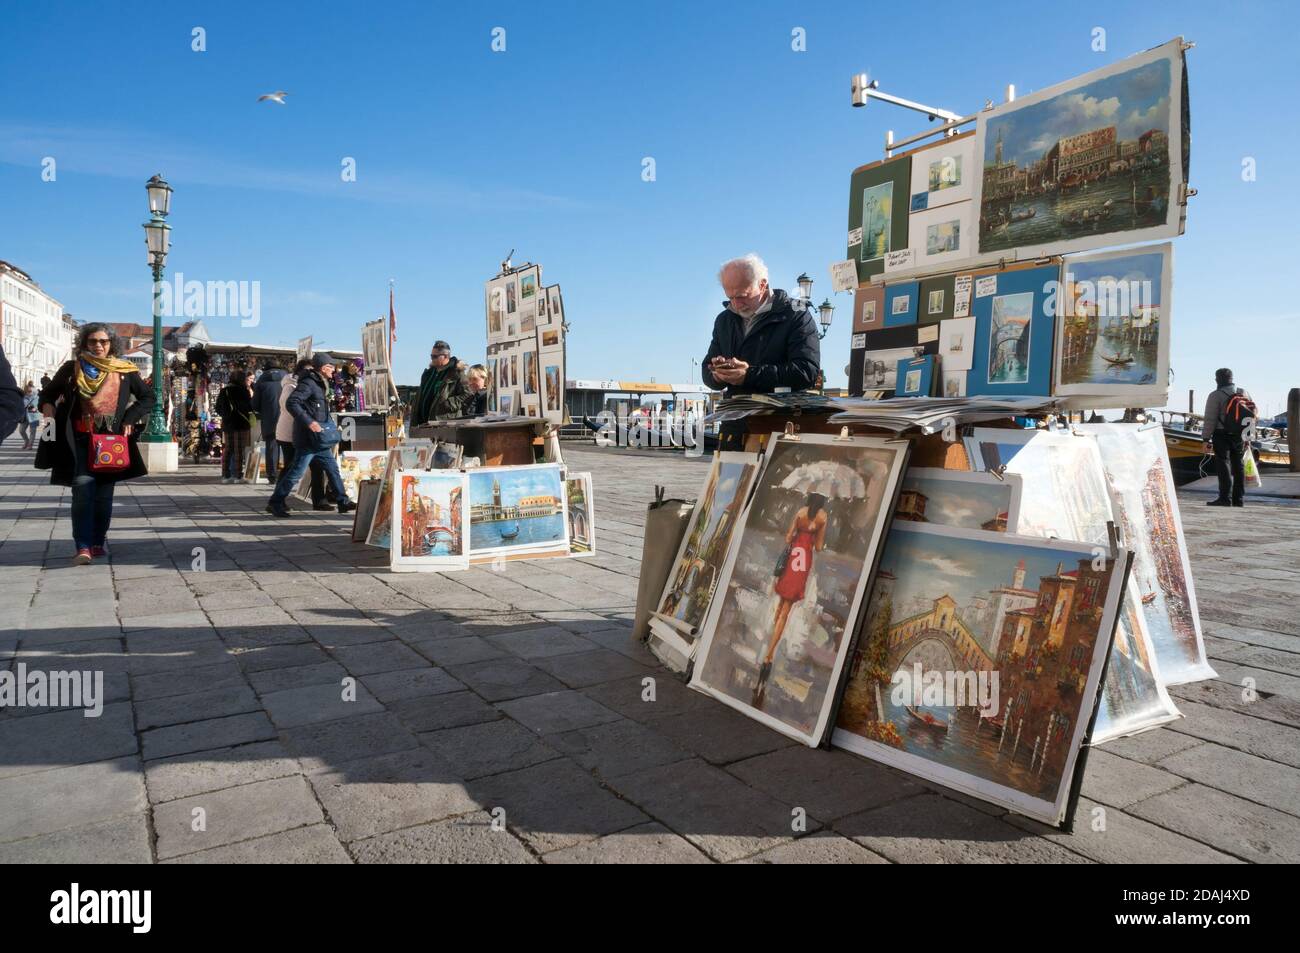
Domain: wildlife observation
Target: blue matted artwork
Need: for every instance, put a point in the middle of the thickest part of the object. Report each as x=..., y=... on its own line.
x=1013, y=335
x=915, y=376
x=901, y=303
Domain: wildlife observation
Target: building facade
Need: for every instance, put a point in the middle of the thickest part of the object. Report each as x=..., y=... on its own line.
x=36, y=333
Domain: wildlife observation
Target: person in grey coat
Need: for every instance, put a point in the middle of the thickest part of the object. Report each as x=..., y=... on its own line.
x=1228, y=447
x=266, y=404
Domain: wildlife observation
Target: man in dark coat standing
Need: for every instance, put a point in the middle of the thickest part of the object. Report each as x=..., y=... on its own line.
x=11, y=399
x=266, y=404
x=443, y=391
x=760, y=340
x=1228, y=448
x=310, y=408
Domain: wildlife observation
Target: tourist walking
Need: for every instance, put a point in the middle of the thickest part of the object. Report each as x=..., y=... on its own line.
x=284, y=439
x=1229, y=414
x=11, y=399
x=314, y=435
x=235, y=407
x=91, y=397
x=31, y=422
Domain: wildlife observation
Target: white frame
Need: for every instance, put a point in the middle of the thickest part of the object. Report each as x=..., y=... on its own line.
x=963, y=360
x=1120, y=395
x=740, y=458
x=390, y=468
x=543, y=390
x=585, y=479
x=399, y=563
x=530, y=312
x=363, y=458
x=1176, y=212
x=1049, y=812
x=548, y=546
x=981, y=477
x=918, y=224
x=923, y=158
x=830, y=703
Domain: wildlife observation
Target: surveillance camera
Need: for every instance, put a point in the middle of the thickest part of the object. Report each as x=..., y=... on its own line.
x=860, y=86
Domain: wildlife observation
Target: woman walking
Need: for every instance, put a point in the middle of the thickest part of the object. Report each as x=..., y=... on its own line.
x=95, y=393
x=235, y=405
x=806, y=535
x=31, y=421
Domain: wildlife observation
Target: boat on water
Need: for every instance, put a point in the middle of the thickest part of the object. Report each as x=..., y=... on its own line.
x=923, y=719
x=508, y=529
x=1023, y=214
x=1117, y=361
x=1185, y=444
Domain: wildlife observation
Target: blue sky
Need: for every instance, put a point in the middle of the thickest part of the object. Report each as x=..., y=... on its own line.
x=463, y=154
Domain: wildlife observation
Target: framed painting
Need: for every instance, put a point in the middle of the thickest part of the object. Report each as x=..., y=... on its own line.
x=941, y=236
x=517, y=509
x=429, y=516
x=914, y=376
x=1136, y=462
x=980, y=660
x=495, y=300
x=551, y=381
x=1067, y=495
x=935, y=299
x=554, y=308
x=367, y=498
x=781, y=621
x=530, y=292
x=958, y=498
x=695, y=573
x=1097, y=160
x=1013, y=333
x=255, y=463
x=880, y=368
x=581, y=513
x=406, y=456
x=954, y=384
x=878, y=203
x=357, y=465
x=901, y=303
x=868, y=308
x=943, y=174
x=956, y=342
x=1112, y=330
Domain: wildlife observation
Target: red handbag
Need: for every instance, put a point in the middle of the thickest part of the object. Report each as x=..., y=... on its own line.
x=109, y=453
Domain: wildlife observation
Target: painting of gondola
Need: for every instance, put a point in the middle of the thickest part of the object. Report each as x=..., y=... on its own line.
x=1112, y=336
x=878, y=211
x=430, y=518
x=979, y=661
x=1097, y=160
x=778, y=630
x=517, y=509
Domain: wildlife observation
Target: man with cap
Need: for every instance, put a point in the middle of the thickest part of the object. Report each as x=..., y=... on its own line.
x=308, y=405
x=443, y=391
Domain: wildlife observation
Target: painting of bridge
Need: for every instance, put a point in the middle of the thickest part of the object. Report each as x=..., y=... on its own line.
x=966, y=604
x=429, y=514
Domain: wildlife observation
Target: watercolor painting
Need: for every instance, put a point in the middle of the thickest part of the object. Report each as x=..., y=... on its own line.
x=429, y=513
x=514, y=509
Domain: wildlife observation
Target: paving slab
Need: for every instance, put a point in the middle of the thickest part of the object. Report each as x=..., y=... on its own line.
x=325, y=746
x=304, y=845
x=234, y=814
x=65, y=798
x=185, y=775
x=470, y=839
x=122, y=840
x=474, y=751
x=650, y=843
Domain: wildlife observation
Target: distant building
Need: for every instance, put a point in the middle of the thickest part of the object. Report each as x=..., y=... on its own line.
x=36, y=333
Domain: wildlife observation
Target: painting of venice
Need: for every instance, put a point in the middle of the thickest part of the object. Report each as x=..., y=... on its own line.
x=776, y=633
x=1090, y=160
x=430, y=520
x=979, y=657
x=516, y=509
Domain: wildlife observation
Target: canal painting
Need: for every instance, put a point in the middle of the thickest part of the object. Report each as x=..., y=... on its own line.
x=1113, y=336
x=404, y=457
x=1009, y=338
x=777, y=633
x=1137, y=466
x=978, y=661
x=1092, y=162
x=957, y=498
x=517, y=509
x=582, y=520
x=429, y=516
x=695, y=573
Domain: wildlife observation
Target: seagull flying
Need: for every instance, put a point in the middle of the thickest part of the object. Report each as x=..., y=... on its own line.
x=275, y=97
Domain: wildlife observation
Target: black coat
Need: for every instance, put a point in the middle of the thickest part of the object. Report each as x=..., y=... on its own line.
x=306, y=404
x=442, y=393
x=475, y=404
x=12, y=409
x=782, y=349
x=134, y=402
x=266, y=400
x=234, y=405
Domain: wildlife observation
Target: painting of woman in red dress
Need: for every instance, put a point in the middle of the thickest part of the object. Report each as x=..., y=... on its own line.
x=806, y=536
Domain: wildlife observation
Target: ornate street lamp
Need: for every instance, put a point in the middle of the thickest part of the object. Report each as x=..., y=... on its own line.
x=157, y=237
x=825, y=311
x=805, y=290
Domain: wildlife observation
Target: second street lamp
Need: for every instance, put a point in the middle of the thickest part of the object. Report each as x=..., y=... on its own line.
x=825, y=311
x=157, y=237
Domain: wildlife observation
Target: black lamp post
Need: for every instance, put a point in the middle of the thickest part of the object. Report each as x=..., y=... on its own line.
x=157, y=236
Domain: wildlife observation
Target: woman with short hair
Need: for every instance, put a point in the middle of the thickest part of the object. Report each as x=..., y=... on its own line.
x=94, y=393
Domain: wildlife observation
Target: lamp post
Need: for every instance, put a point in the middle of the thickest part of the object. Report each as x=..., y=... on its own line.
x=825, y=311
x=157, y=236
x=805, y=291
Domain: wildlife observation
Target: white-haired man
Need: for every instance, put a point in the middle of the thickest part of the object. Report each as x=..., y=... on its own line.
x=760, y=341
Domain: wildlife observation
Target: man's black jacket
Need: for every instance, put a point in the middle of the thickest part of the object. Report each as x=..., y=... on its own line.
x=782, y=349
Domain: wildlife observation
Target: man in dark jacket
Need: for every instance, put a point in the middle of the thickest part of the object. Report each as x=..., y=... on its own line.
x=442, y=391
x=760, y=341
x=11, y=399
x=309, y=407
x=1228, y=448
x=266, y=403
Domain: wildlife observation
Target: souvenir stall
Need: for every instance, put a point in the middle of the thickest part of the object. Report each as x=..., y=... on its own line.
x=911, y=573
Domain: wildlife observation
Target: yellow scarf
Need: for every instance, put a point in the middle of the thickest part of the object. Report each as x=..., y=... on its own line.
x=88, y=386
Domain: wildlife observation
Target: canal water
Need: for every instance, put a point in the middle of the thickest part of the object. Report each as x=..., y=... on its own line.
x=1051, y=207
x=967, y=747
x=1093, y=368
x=533, y=529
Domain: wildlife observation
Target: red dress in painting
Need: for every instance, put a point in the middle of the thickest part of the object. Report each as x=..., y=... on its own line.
x=790, y=586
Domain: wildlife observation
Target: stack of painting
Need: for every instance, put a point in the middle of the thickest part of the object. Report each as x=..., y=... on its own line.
x=526, y=345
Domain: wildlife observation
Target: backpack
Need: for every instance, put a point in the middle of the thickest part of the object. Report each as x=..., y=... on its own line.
x=1238, y=413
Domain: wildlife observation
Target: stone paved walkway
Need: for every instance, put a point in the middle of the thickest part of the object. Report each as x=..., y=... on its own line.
x=224, y=736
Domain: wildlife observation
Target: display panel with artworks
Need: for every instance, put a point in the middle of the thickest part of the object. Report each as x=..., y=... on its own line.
x=944, y=173
x=780, y=623
x=1013, y=332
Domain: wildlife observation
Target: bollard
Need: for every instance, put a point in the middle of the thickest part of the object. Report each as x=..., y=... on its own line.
x=1293, y=427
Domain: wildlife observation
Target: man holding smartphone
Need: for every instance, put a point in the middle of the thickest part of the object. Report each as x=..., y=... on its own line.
x=761, y=342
